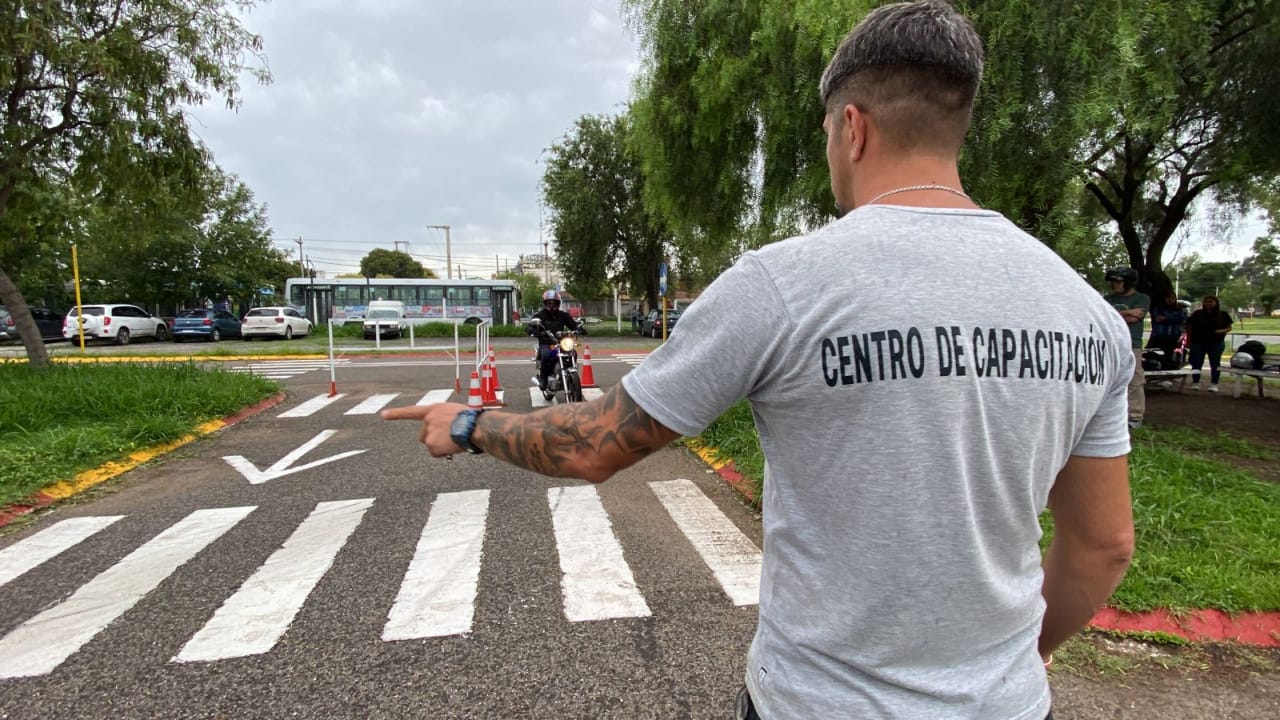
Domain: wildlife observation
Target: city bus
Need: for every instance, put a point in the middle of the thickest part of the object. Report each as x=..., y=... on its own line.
x=425, y=300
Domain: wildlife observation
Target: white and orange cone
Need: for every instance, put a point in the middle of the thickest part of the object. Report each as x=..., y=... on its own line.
x=588, y=375
x=475, y=398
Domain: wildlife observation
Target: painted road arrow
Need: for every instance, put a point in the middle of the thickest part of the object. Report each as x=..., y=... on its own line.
x=281, y=468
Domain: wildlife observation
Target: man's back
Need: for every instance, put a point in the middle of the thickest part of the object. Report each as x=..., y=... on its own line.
x=918, y=378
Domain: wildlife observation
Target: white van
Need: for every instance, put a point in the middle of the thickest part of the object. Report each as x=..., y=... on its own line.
x=385, y=317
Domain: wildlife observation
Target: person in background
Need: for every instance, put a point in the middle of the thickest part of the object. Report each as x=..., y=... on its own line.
x=1168, y=320
x=1133, y=307
x=1207, y=330
x=902, y=576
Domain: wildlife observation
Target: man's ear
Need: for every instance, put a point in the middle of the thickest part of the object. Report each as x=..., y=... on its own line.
x=855, y=123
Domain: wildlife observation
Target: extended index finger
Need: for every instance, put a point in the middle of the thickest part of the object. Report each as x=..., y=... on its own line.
x=411, y=412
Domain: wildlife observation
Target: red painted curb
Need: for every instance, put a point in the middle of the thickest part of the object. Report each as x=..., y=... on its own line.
x=1260, y=629
x=40, y=500
x=254, y=409
x=1251, y=628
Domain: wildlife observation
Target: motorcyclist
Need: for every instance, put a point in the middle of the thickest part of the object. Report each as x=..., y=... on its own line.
x=553, y=320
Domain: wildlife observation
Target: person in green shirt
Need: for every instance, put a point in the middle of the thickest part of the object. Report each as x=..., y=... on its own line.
x=1133, y=307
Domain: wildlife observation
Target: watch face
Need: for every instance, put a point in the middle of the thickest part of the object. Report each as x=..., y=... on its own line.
x=464, y=423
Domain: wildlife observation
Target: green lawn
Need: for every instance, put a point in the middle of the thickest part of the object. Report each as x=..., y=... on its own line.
x=1207, y=531
x=70, y=418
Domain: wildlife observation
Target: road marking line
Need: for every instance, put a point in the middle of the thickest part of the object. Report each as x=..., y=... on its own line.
x=438, y=595
x=31, y=552
x=435, y=397
x=372, y=404
x=252, y=620
x=596, y=581
x=311, y=406
x=535, y=396
x=732, y=557
x=42, y=643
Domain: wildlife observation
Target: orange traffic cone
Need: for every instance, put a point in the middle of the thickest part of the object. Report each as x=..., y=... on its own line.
x=588, y=375
x=474, y=397
x=488, y=392
x=493, y=370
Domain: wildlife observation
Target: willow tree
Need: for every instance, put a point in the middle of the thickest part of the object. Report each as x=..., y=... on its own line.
x=603, y=232
x=1127, y=116
x=88, y=84
x=1096, y=120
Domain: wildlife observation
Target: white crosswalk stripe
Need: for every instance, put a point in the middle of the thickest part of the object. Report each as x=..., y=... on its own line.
x=283, y=369
x=596, y=581
x=372, y=404
x=437, y=596
x=20, y=557
x=253, y=619
x=435, y=397
x=731, y=555
x=539, y=401
x=42, y=643
x=632, y=359
x=311, y=406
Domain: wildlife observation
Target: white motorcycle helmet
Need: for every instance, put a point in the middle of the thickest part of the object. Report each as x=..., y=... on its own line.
x=1242, y=360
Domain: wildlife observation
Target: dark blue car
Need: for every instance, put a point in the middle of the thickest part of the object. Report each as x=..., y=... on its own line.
x=203, y=324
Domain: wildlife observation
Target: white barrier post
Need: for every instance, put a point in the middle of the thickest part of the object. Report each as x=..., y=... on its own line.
x=333, y=376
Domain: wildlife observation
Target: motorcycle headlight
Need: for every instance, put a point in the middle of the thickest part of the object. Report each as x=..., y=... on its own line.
x=567, y=343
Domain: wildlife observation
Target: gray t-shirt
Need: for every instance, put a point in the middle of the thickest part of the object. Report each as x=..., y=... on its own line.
x=1133, y=301
x=918, y=378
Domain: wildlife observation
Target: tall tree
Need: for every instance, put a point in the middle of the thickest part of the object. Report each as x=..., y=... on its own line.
x=87, y=84
x=1096, y=120
x=1261, y=272
x=1149, y=107
x=392, y=263
x=604, y=234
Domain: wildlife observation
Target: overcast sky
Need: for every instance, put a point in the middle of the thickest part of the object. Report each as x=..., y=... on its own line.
x=387, y=116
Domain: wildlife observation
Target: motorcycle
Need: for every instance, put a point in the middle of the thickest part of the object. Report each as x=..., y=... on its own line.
x=564, y=384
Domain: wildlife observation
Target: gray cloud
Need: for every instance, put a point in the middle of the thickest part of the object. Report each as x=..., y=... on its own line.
x=389, y=115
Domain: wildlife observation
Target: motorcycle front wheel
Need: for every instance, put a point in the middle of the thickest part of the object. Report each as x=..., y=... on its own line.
x=573, y=388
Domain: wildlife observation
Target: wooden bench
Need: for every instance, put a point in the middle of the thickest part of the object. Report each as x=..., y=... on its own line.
x=1177, y=377
x=1270, y=370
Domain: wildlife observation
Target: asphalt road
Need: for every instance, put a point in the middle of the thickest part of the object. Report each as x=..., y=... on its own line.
x=381, y=583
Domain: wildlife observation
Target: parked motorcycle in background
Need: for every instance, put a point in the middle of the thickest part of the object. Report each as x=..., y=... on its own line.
x=563, y=384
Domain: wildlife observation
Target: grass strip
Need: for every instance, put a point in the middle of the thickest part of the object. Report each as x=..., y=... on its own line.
x=1207, y=532
x=70, y=418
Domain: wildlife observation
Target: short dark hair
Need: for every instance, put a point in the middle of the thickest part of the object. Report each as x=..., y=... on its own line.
x=916, y=66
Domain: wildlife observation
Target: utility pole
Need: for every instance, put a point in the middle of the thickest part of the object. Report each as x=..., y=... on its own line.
x=546, y=261
x=448, y=251
x=302, y=268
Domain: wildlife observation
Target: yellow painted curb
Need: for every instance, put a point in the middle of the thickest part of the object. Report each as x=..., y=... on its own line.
x=708, y=455
x=87, y=479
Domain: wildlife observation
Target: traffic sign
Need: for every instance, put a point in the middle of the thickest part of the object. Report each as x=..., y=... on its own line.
x=662, y=279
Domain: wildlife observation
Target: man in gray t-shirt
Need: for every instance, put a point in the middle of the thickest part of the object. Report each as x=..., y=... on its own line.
x=915, y=420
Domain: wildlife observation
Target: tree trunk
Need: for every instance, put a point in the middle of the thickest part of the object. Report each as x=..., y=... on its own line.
x=12, y=298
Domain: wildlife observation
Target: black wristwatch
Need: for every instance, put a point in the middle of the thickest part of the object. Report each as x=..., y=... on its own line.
x=460, y=431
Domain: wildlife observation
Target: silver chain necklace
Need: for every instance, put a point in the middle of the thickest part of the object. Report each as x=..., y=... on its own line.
x=910, y=188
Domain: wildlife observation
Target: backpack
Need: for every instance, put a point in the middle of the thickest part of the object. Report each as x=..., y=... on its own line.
x=1252, y=348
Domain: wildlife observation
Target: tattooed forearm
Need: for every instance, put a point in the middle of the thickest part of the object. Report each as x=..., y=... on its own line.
x=591, y=440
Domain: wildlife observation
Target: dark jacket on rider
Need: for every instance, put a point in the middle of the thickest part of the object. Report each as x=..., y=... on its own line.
x=553, y=321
